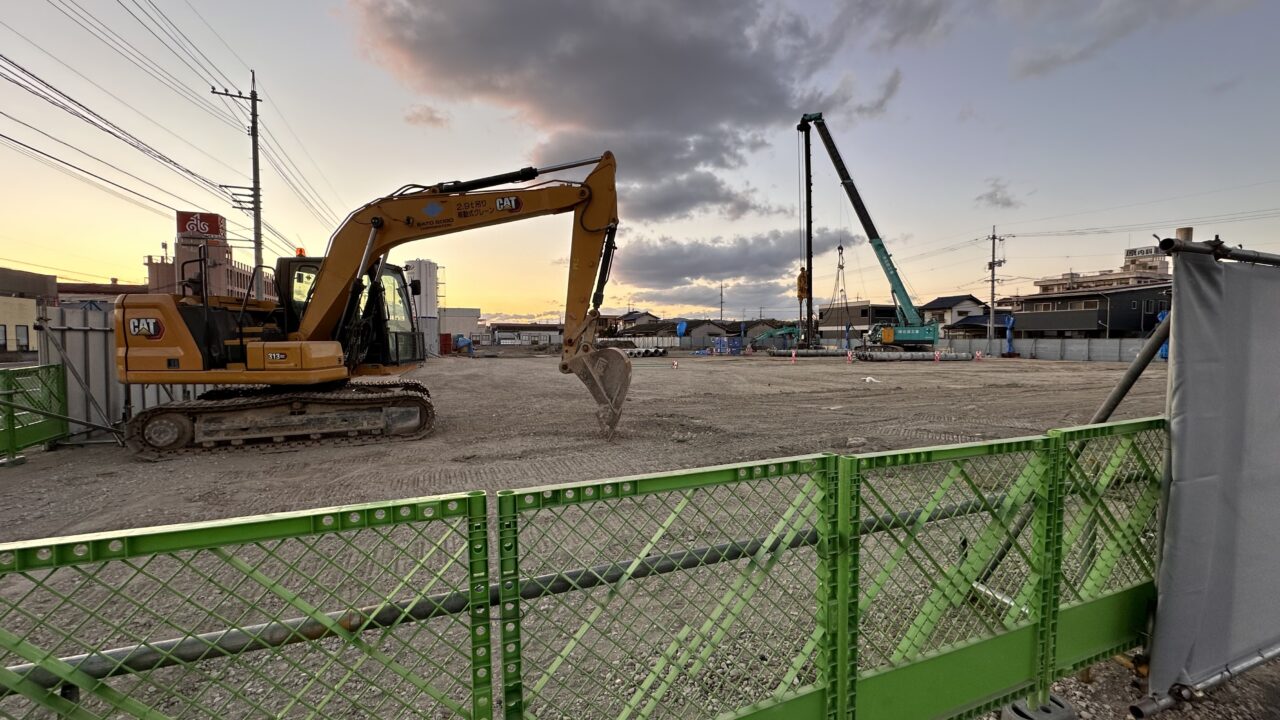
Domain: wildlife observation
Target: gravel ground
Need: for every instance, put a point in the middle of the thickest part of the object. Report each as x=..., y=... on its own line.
x=512, y=422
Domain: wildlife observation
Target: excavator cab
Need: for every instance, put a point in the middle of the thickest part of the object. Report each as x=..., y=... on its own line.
x=382, y=334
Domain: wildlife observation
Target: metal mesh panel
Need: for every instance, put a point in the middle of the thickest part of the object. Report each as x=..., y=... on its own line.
x=696, y=593
x=361, y=612
x=37, y=390
x=948, y=549
x=1112, y=491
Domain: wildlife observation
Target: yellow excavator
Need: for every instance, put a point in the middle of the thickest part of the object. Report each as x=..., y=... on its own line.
x=287, y=370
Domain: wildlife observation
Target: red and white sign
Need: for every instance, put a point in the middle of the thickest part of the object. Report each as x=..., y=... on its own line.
x=201, y=226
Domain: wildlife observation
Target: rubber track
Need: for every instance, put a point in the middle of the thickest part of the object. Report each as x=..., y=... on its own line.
x=255, y=397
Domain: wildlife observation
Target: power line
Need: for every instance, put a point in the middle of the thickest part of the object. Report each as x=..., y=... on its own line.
x=118, y=99
x=86, y=172
x=266, y=94
x=104, y=34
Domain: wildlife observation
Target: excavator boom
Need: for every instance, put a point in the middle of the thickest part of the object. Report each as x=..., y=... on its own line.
x=417, y=212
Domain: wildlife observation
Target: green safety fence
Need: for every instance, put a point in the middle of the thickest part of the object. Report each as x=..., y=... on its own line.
x=931, y=583
x=30, y=394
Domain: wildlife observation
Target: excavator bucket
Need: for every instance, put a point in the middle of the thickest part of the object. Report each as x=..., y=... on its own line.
x=607, y=374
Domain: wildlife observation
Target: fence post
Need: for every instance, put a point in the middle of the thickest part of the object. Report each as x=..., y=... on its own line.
x=60, y=406
x=9, y=443
x=837, y=593
x=509, y=596
x=1048, y=536
x=478, y=592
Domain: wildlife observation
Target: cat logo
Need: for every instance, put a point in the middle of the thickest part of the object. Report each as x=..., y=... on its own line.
x=509, y=204
x=150, y=328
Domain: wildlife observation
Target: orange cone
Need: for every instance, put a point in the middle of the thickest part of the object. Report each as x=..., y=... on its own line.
x=793, y=356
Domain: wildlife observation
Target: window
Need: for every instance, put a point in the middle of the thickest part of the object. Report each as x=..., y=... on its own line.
x=1148, y=307
x=1043, y=307
x=1163, y=305
x=4, y=338
x=962, y=313
x=1090, y=304
x=1133, y=305
x=22, y=335
x=1075, y=305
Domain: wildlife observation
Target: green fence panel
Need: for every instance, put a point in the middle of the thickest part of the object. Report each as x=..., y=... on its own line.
x=35, y=391
x=689, y=594
x=1113, y=476
x=376, y=610
x=948, y=538
x=929, y=583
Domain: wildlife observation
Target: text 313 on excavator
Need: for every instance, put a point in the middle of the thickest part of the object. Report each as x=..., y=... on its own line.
x=287, y=369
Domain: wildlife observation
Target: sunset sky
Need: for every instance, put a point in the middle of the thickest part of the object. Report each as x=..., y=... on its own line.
x=1078, y=127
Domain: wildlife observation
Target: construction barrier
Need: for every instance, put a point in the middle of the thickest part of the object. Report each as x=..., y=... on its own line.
x=938, y=582
x=27, y=397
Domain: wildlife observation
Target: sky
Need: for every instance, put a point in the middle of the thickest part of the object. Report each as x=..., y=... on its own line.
x=1077, y=128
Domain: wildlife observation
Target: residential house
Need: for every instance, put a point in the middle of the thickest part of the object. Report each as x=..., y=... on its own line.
x=975, y=326
x=1116, y=312
x=21, y=293
x=951, y=309
x=700, y=331
x=1104, y=304
x=628, y=320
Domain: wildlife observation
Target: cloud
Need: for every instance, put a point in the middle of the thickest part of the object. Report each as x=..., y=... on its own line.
x=543, y=317
x=665, y=262
x=426, y=115
x=997, y=195
x=1222, y=87
x=1094, y=31
x=777, y=297
x=876, y=106
x=680, y=196
x=679, y=91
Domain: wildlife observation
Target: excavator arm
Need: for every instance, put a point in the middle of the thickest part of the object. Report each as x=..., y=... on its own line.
x=418, y=212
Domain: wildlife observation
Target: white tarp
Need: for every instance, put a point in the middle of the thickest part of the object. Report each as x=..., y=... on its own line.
x=1219, y=580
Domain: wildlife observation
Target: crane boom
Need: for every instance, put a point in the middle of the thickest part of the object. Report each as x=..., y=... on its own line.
x=908, y=314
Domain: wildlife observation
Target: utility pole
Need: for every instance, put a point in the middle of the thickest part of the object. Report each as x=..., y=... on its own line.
x=991, y=310
x=255, y=191
x=722, y=300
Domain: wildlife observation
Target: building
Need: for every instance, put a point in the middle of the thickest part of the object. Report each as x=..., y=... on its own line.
x=426, y=304
x=975, y=326
x=949, y=310
x=21, y=295
x=1109, y=312
x=1105, y=304
x=526, y=333
x=700, y=331
x=1142, y=266
x=179, y=275
x=462, y=321
x=857, y=316
x=96, y=296
x=628, y=320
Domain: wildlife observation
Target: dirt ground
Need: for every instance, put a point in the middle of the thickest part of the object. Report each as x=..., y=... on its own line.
x=511, y=422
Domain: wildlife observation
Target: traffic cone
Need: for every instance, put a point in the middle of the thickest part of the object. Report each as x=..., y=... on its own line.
x=675, y=364
x=977, y=355
x=937, y=356
x=793, y=356
x=848, y=357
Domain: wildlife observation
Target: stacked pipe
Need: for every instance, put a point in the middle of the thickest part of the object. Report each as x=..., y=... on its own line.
x=867, y=355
